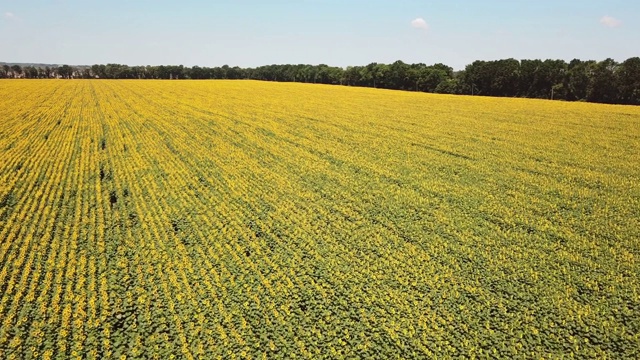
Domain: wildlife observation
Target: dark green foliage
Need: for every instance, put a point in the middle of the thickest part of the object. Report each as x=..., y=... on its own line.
x=605, y=81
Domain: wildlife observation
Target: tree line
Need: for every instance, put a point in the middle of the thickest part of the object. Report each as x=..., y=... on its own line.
x=604, y=81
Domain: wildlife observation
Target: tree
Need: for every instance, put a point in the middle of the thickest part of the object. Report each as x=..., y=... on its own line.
x=628, y=80
x=603, y=82
x=430, y=77
x=505, y=75
x=367, y=75
x=197, y=72
x=449, y=86
x=352, y=75
x=65, y=71
x=448, y=70
x=577, y=79
x=100, y=71
x=86, y=73
x=16, y=70
x=380, y=76
x=398, y=76
x=476, y=79
x=30, y=72
x=530, y=78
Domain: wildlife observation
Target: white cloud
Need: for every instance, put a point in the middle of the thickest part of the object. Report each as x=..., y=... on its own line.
x=610, y=21
x=9, y=15
x=419, y=23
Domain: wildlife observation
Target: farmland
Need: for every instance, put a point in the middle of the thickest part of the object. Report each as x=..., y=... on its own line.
x=242, y=219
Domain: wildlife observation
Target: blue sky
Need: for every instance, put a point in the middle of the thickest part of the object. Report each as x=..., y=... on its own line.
x=340, y=33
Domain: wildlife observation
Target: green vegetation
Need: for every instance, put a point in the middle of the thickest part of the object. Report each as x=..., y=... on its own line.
x=222, y=219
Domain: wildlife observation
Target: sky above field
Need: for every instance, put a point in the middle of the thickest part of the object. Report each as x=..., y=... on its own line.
x=333, y=32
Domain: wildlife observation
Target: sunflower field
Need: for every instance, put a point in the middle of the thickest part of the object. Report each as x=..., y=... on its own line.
x=249, y=220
